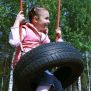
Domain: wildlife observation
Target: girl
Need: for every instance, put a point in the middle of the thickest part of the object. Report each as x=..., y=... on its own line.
x=34, y=34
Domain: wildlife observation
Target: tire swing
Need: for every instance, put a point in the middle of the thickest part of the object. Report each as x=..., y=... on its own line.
x=51, y=55
x=60, y=55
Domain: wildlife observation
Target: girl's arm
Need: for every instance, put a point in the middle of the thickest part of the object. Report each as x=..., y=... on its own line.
x=14, y=37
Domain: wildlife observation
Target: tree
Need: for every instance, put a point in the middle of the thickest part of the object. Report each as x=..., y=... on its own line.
x=75, y=23
x=7, y=16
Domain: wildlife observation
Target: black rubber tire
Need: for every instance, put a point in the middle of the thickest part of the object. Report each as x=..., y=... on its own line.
x=61, y=54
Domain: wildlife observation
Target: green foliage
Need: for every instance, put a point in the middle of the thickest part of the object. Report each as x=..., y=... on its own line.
x=7, y=16
x=75, y=23
x=75, y=20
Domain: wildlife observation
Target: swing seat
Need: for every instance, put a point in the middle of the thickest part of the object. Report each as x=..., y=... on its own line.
x=61, y=56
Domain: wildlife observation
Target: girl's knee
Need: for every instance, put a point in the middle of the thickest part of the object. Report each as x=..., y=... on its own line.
x=43, y=88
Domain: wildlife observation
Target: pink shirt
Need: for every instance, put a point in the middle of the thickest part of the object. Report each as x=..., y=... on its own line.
x=31, y=38
x=14, y=37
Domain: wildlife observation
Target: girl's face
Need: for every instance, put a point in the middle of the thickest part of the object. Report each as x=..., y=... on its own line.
x=43, y=20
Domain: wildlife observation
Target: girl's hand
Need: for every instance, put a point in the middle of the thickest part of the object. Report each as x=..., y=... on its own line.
x=20, y=17
x=58, y=33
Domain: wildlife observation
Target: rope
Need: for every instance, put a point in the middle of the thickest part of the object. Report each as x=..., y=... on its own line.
x=10, y=88
x=31, y=4
x=58, y=17
x=21, y=5
x=20, y=27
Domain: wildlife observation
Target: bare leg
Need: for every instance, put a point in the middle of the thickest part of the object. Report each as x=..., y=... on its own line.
x=43, y=88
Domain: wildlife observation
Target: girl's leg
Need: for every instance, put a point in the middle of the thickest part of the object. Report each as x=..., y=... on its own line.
x=45, y=82
x=43, y=88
